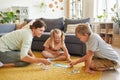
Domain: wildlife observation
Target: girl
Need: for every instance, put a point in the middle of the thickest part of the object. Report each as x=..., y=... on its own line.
x=55, y=47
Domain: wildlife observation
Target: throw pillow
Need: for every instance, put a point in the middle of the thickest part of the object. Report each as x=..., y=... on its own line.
x=71, y=28
x=19, y=26
x=30, y=23
x=28, y=20
x=75, y=21
x=53, y=23
x=5, y=28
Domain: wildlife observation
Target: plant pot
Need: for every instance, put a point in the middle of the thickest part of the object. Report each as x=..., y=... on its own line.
x=119, y=30
x=116, y=29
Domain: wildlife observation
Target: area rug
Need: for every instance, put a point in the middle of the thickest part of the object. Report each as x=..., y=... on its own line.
x=36, y=72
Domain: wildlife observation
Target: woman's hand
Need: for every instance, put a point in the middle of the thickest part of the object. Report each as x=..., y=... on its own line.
x=45, y=61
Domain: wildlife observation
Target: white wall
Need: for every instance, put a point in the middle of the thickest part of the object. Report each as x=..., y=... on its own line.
x=34, y=9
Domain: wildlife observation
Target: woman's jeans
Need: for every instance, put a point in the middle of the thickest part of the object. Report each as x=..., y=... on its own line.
x=12, y=57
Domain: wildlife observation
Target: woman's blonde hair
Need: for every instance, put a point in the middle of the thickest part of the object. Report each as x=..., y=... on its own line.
x=60, y=33
x=83, y=29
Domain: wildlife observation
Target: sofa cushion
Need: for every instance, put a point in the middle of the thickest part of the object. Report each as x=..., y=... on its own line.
x=37, y=43
x=71, y=28
x=28, y=20
x=71, y=38
x=19, y=26
x=44, y=36
x=75, y=21
x=53, y=23
x=5, y=28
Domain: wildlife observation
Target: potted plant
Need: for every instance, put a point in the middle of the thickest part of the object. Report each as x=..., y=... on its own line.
x=7, y=17
x=102, y=16
x=42, y=6
x=116, y=17
x=99, y=17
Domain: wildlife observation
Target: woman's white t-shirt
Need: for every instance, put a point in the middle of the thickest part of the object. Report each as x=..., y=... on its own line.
x=17, y=40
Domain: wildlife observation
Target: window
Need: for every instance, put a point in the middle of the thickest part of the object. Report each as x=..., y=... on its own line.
x=75, y=9
x=104, y=6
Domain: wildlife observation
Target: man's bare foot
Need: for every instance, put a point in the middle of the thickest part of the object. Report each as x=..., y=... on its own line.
x=90, y=71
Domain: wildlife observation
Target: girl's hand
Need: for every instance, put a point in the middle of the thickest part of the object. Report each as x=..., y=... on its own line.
x=57, y=53
x=45, y=61
x=72, y=64
x=69, y=60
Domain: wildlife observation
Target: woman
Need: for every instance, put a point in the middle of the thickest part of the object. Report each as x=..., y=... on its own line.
x=15, y=46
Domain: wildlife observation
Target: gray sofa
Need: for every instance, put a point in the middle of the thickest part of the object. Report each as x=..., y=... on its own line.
x=74, y=45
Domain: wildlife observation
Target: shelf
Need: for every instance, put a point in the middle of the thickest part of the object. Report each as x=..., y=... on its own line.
x=105, y=30
x=21, y=12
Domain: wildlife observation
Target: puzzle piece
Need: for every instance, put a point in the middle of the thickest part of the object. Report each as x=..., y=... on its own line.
x=61, y=65
x=43, y=66
x=75, y=70
x=50, y=59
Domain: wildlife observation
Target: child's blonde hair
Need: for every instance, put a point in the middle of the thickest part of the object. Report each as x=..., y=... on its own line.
x=60, y=33
x=83, y=29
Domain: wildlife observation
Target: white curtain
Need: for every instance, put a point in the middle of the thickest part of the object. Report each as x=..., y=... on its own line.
x=101, y=5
